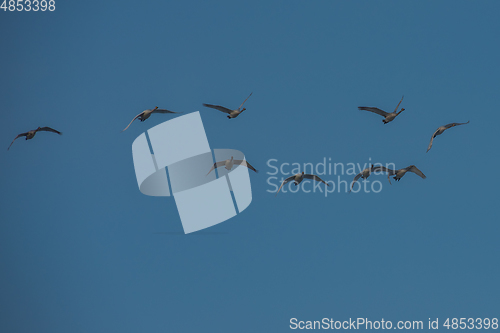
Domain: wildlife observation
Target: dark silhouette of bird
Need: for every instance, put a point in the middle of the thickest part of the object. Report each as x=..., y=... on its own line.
x=231, y=113
x=31, y=134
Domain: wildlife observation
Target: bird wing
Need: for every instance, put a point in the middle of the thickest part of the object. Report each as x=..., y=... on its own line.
x=355, y=180
x=18, y=136
x=446, y=127
x=384, y=169
x=216, y=165
x=245, y=100
x=396, y=109
x=284, y=182
x=245, y=163
x=218, y=107
x=432, y=139
x=455, y=124
x=316, y=178
x=415, y=170
x=372, y=109
x=48, y=129
x=163, y=111
x=133, y=120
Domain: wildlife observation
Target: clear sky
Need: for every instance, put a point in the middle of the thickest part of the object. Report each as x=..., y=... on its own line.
x=82, y=250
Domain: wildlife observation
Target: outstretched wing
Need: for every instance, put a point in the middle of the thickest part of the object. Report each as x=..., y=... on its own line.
x=374, y=110
x=245, y=100
x=316, y=178
x=216, y=165
x=432, y=139
x=445, y=128
x=415, y=170
x=396, y=109
x=218, y=107
x=133, y=120
x=245, y=163
x=163, y=111
x=18, y=136
x=455, y=124
x=48, y=129
x=284, y=182
x=354, y=181
x=383, y=169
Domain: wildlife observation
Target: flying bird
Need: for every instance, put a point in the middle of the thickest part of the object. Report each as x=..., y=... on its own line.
x=230, y=163
x=147, y=113
x=231, y=113
x=388, y=117
x=367, y=172
x=440, y=131
x=299, y=177
x=398, y=174
x=30, y=134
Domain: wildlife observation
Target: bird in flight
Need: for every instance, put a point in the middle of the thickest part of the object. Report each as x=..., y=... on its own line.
x=367, y=172
x=299, y=177
x=230, y=163
x=147, y=113
x=440, y=131
x=30, y=134
x=231, y=113
x=388, y=117
x=398, y=174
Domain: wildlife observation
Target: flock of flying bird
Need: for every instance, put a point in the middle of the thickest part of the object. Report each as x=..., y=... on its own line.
x=142, y=117
x=398, y=174
x=299, y=177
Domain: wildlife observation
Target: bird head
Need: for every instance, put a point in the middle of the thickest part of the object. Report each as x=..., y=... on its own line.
x=243, y=109
x=402, y=109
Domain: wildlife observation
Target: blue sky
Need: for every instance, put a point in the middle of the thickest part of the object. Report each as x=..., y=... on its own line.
x=82, y=250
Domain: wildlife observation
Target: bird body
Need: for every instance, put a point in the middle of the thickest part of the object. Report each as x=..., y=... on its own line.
x=235, y=113
x=231, y=113
x=398, y=174
x=147, y=113
x=31, y=134
x=440, y=131
x=299, y=177
x=228, y=164
x=366, y=173
x=388, y=116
